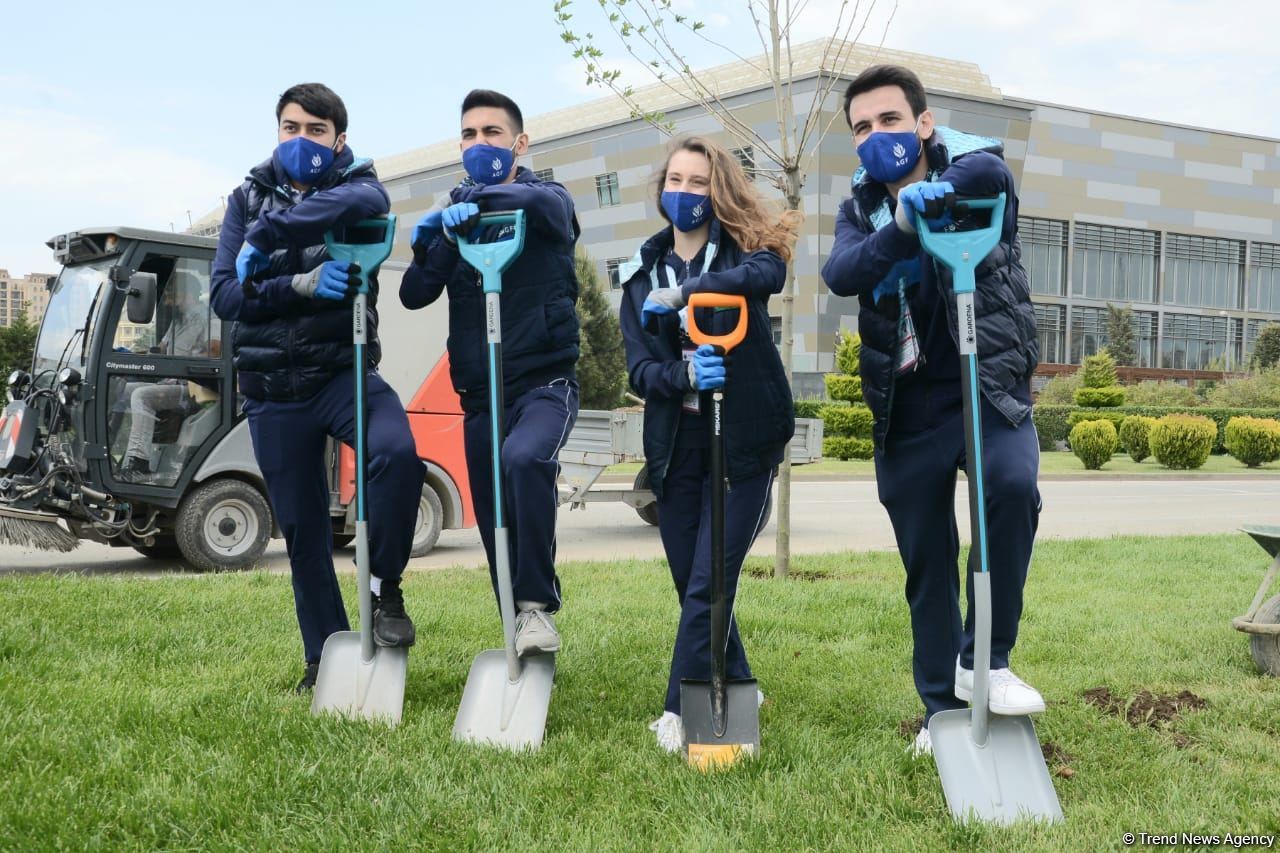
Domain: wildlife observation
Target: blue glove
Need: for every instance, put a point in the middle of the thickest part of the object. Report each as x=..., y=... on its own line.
x=427, y=228
x=931, y=199
x=250, y=260
x=337, y=280
x=460, y=219
x=660, y=303
x=908, y=269
x=708, y=368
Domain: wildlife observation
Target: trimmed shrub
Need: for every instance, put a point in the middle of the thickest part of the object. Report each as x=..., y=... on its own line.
x=842, y=386
x=1099, y=371
x=1135, y=436
x=811, y=408
x=1079, y=416
x=1098, y=382
x=847, y=424
x=1253, y=441
x=1150, y=393
x=848, y=421
x=1093, y=442
x=1100, y=397
x=845, y=447
x=848, y=346
x=1217, y=415
x=1060, y=390
x=1051, y=424
x=1182, y=441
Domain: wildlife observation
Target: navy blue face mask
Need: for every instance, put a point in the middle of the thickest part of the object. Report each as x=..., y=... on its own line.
x=488, y=164
x=686, y=210
x=304, y=160
x=888, y=157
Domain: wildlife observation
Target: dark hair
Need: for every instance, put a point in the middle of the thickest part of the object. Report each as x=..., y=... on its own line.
x=317, y=99
x=887, y=75
x=489, y=98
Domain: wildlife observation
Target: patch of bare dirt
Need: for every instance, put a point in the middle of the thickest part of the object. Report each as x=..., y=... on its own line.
x=1145, y=708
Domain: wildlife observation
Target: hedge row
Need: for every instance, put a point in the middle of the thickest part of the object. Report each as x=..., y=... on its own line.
x=1054, y=423
x=844, y=447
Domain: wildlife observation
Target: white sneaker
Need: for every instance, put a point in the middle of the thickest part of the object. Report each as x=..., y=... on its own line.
x=1006, y=693
x=670, y=732
x=536, y=633
x=923, y=745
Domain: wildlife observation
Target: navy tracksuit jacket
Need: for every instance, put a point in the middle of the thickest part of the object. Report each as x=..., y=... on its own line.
x=919, y=417
x=294, y=360
x=540, y=344
x=759, y=418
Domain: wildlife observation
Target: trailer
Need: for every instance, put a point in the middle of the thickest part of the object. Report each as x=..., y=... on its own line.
x=603, y=438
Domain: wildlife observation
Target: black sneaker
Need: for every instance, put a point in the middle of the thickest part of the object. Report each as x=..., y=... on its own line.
x=308, y=682
x=391, y=625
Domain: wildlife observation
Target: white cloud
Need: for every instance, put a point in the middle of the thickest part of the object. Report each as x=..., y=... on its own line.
x=63, y=170
x=1168, y=60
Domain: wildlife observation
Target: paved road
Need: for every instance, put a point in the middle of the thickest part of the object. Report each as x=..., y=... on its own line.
x=826, y=516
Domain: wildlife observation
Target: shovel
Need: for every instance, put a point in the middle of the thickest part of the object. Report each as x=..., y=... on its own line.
x=991, y=766
x=506, y=698
x=357, y=678
x=721, y=717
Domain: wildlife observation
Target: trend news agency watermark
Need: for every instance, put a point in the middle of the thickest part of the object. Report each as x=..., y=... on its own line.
x=1196, y=839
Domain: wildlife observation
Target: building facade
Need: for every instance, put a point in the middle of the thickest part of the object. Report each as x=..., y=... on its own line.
x=1178, y=223
x=28, y=295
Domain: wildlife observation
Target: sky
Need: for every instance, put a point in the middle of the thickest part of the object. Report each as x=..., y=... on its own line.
x=144, y=113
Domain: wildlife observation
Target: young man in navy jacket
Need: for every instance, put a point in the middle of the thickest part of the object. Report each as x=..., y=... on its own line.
x=293, y=352
x=539, y=347
x=910, y=366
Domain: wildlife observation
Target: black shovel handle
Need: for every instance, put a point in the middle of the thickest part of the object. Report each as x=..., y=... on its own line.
x=719, y=591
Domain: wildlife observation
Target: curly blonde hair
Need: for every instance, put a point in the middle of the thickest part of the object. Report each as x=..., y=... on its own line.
x=736, y=203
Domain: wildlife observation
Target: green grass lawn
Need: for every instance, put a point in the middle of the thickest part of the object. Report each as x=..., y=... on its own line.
x=1052, y=463
x=157, y=713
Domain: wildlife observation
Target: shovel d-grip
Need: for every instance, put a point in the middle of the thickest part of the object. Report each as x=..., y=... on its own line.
x=718, y=300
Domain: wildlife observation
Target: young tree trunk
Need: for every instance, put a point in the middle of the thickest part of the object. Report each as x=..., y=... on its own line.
x=782, y=561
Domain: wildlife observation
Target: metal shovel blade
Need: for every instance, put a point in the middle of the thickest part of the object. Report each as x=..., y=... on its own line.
x=741, y=736
x=347, y=684
x=502, y=712
x=1002, y=782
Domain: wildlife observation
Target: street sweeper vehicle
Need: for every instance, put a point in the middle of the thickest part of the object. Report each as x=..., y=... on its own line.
x=127, y=429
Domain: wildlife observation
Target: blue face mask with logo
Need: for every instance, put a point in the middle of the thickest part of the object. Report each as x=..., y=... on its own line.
x=488, y=164
x=889, y=157
x=686, y=210
x=304, y=160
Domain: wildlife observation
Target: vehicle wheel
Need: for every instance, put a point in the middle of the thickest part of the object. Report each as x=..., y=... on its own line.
x=649, y=512
x=1266, y=647
x=165, y=548
x=223, y=524
x=430, y=520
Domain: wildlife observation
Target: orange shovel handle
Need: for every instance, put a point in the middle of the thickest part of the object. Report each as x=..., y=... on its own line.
x=718, y=300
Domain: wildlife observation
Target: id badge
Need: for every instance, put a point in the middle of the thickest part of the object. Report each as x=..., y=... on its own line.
x=692, y=402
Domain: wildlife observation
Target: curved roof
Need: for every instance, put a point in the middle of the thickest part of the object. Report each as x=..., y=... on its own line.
x=937, y=74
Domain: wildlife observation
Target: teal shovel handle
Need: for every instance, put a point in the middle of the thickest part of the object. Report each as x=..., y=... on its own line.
x=492, y=259
x=368, y=255
x=962, y=251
